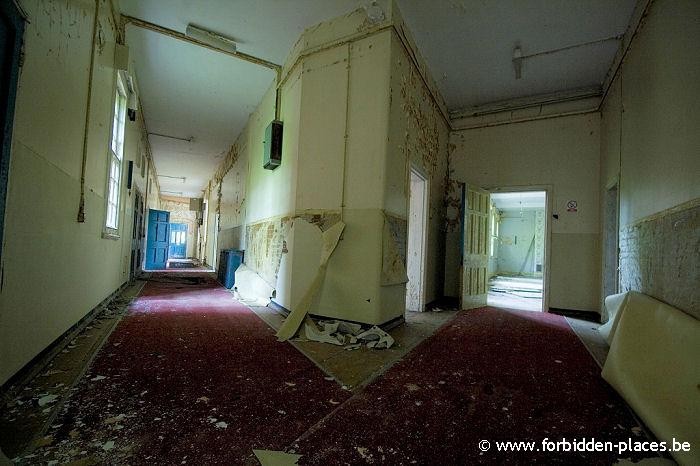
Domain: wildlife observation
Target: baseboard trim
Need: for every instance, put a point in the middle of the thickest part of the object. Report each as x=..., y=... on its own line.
x=38, y=363
x=590, y=316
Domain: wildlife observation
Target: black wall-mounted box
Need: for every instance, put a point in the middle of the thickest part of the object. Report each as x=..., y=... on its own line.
x=272, y=158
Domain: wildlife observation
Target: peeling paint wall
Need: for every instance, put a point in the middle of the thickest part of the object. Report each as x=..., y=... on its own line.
x=659, y=257
x=418, y=135
x=649, y=142
x=41, y=234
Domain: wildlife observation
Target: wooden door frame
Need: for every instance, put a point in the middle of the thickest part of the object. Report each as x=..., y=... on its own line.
x=548, y=211
x=414, y=168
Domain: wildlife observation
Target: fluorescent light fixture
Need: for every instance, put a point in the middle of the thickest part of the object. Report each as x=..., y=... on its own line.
x=211, y=38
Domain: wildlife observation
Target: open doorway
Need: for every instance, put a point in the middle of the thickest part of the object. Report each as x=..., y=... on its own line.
x=137, y=236
x=517, y=250
x=610, y=241
x=415, y=256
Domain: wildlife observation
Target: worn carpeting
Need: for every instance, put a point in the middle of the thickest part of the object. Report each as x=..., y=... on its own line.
x=189, y=376
x=489, y=374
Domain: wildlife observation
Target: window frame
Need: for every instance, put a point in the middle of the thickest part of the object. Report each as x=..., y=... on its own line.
x=115, y=159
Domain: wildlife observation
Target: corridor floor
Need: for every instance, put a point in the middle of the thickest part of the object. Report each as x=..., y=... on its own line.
x=190, y=376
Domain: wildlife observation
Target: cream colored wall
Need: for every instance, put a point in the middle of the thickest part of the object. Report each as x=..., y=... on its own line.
x=652, y=145
x=561, y=154
x=44, y=246
x=349, y=136
x=335, y=106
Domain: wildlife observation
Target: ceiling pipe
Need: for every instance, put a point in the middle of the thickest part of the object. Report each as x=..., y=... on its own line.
x=88, y=105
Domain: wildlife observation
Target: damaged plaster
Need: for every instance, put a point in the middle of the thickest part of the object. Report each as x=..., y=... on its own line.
x=660, y=257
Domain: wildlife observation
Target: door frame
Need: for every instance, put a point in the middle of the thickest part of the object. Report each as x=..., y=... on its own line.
x=415, y=169
x=16, y=22
x=614, y=184
x=137, y=235
x=548, y=211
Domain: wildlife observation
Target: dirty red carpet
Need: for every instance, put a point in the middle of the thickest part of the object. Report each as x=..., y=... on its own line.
x=190, y=376
x=489, y=374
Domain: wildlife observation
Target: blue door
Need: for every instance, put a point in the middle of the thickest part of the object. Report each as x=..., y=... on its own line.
x=158, y=239
x=178, y=241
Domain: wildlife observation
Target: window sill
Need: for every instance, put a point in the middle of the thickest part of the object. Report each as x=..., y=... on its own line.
x=112, y=236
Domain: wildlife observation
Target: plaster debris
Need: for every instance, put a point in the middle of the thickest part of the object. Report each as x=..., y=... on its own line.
x=98, y=377
x=114, y=419
x=327, y=335
x=364, y=453
x=376, y=338
x=221, y=425
x=108, y=445
x=44, y=400
x=276, y=458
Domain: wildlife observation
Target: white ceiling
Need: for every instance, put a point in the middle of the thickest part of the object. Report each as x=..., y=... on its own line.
x=525, y=200
x=191, y=92
x=188, y=91
x=468, y=45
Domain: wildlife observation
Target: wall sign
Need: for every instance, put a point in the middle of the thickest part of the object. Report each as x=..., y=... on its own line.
x=572, y=206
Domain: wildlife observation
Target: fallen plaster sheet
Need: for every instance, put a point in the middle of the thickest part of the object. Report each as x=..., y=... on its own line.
x=335, y=332
x=376, y=338
x=613, y=304
x=347, y=334
x=250, y=288
x=293, y=321
x=276, y=458
x=653, y=364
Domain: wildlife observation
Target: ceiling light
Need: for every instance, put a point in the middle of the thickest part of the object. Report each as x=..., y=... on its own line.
x=211, y=38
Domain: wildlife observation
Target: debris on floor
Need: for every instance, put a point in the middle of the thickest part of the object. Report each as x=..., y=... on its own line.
x=347, y=334
x=276, y=458
x=376, y=338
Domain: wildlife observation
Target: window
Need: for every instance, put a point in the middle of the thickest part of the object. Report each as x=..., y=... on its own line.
x=116, y=153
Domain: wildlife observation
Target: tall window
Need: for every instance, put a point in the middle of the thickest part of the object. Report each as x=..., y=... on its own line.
x=116, y=153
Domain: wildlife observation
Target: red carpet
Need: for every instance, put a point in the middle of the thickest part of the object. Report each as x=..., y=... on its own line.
x=190, y=377
x=488, y=375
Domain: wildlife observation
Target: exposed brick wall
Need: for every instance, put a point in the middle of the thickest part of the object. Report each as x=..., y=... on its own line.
x=660, y=257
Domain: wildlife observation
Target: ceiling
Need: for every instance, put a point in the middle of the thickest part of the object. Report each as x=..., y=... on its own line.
x=204, y=98
x=468, y=45
x=525, y=200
